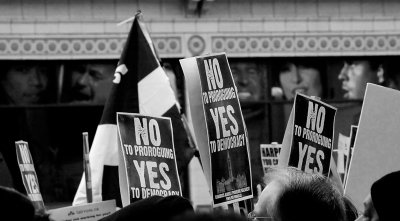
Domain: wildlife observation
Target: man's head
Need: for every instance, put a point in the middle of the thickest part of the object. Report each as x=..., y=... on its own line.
x=154, y=208
x=90, y=81
x=303, y=77
x=356, y=73
x=292, y=194
x=15, y=206
x=378, y=205
x=248, y=79
x=24, y=83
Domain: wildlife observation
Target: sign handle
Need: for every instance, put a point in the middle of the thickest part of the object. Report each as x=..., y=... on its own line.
x=86, y=167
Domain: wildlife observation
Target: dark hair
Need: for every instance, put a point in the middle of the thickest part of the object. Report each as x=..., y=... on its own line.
x=306, y=196
x=351, y=210
x=391, y=72
x=282, y=65
x=213, y=216
x=15, y=206
x=153, y=208
x=42, y=216
x=383, y=191
x=374, y=62
x=48, y=68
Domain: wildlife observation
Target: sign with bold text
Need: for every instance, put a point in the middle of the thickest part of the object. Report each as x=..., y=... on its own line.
x=270, y=155
x=312, y=133
x=148, y=156
x=225, y=135
x=28, y=174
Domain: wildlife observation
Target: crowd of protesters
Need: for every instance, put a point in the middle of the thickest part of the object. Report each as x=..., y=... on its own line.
x=289, y=194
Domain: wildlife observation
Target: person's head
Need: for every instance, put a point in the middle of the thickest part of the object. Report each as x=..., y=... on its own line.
x=15, y=206
x=154, y=208
x=248, y=79
x=211, y=216
x=24, y=83
x=303, y=76
x=380, y=204
x=356, y=73
x=391, y=77
x=90, y=81
x=291, y=194
x=351, y=210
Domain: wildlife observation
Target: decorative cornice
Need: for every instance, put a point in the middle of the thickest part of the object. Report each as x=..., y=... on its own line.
x=78, y=47
x=319, y=44
x=185, y=45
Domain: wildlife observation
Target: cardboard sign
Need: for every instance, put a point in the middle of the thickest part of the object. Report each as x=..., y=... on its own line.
x=312, y=135
x=149, y=162
x=87, y=212
x=28, y=174
x=340, y=155
x=376, y=147
x=353, y=132
x=220, y=130
x=270, y=155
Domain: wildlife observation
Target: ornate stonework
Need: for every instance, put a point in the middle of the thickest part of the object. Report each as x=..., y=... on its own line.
x=308, y=45
x=79, y=47
x=184, y=45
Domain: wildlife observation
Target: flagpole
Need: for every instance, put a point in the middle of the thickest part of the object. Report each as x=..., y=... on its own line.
x=129, y=19
x=86, y=167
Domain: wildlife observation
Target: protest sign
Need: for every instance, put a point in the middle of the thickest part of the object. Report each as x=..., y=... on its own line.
x=340, y=154
x=311, y=135
x=87, y=212
x=270, y=155
x=376, y=147
x=219, y=127
x=28, y=173
x=352, y=139
x=148, y=163
x=200, y=195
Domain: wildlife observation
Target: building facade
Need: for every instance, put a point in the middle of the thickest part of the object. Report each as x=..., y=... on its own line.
x=88, y=29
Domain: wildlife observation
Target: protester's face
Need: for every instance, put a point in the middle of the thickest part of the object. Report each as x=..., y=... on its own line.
x=91, y=82
x=370, y=213
x=300, y=79
x=247, y=79
x=355, y=77
x=267, y=199
x=25, y=84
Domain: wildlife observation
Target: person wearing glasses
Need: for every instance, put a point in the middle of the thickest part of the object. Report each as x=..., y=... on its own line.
x=291, y=194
